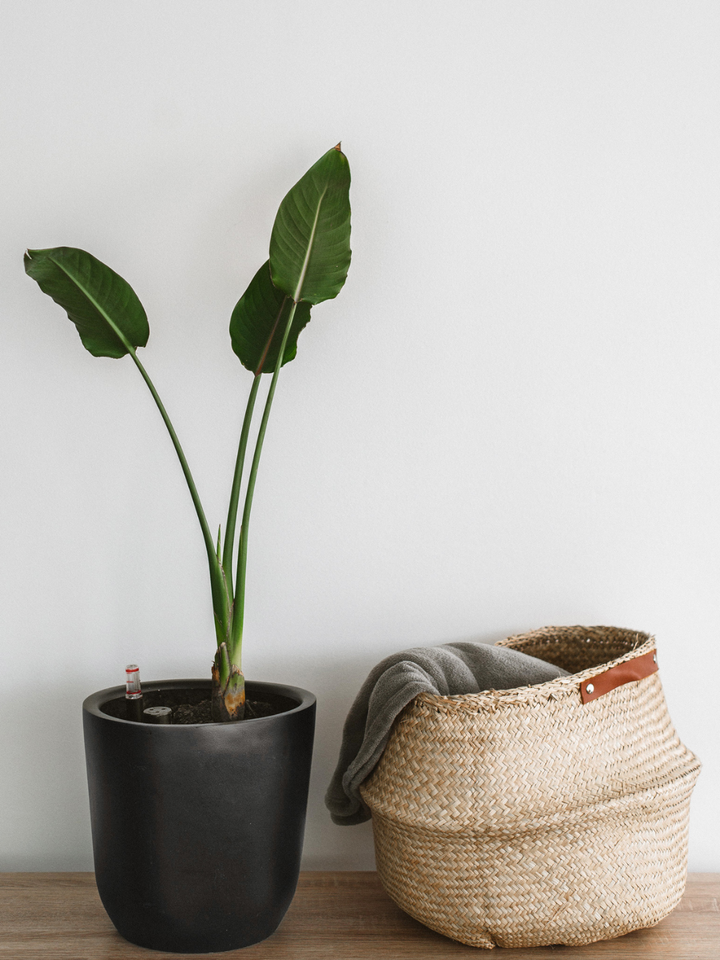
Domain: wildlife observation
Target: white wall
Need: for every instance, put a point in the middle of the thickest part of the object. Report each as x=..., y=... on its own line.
x=508, y=419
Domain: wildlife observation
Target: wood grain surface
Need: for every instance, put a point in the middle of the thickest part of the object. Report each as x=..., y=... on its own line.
x=335, y=916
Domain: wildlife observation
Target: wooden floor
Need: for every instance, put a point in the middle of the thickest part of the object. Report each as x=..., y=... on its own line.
x=335, y=916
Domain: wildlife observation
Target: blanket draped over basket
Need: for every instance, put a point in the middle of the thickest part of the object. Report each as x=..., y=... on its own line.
x=547, y=814
x=449, y=669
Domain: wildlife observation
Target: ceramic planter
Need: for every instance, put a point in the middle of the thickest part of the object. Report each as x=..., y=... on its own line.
x=198, y=829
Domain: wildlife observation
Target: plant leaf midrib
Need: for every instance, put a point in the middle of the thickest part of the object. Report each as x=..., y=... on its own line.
x=308, y=252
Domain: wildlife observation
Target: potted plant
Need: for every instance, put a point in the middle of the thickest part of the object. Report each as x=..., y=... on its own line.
x=197, y=827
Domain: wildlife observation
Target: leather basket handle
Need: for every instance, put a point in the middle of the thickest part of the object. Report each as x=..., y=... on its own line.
x=603, y=683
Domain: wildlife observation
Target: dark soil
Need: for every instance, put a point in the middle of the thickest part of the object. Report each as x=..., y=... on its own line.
x=193, y=705
x=200, y=712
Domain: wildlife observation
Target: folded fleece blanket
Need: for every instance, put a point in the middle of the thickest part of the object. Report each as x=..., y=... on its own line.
x=448, y=670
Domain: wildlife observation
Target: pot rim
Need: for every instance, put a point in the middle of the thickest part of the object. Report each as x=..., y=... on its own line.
x=92, y=703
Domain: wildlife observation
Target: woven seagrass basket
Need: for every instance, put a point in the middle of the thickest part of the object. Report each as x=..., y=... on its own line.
x=548, y=814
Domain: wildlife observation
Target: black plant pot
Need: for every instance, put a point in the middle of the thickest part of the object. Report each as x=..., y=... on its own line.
x=198, y=829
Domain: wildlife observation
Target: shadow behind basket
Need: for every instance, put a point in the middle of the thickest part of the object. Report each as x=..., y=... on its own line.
x=528, y=817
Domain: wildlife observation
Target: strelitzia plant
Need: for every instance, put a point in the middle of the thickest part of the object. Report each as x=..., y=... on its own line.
x=308, y=263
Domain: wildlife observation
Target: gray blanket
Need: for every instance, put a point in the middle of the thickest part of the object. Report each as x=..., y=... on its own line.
x=450, y=669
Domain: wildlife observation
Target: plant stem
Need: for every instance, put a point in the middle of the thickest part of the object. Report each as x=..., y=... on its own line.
x=227, y=556
x=219, y=593
x=239, y=610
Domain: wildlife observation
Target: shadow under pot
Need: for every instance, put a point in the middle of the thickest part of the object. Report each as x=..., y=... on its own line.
x=198, y=828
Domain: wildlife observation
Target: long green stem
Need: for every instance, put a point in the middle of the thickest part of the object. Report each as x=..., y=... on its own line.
x=239, y=610
x=227, y=556
x=219, y=594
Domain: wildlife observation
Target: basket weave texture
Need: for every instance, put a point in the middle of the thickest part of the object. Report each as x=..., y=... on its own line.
x=526, y=817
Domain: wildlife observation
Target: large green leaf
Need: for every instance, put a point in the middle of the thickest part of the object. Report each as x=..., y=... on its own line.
x=258, y=324
x=310, y=243
x=97, y=300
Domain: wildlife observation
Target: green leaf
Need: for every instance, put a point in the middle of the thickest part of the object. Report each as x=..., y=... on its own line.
x=258, y=323
x=310, y=243
x=104, y=307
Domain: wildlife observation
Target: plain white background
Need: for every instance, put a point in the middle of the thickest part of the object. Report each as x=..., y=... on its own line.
x=507, y=419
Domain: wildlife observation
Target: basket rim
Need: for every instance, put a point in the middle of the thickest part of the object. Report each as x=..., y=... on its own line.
x=639, y=644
